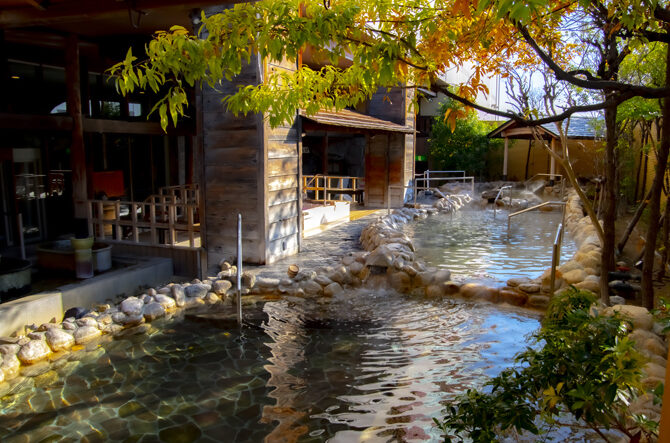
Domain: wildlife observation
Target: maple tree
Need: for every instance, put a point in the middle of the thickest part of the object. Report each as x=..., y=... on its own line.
x=411, y=42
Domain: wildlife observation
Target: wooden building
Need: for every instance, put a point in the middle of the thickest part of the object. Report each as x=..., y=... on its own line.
x=74, y=155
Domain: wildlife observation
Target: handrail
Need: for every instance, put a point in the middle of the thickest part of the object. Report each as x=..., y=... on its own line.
x=514, y=214
x=499, y=193
x=427, y=181
x=556, y=256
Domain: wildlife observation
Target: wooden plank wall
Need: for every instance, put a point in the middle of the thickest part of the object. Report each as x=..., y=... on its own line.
x=185, y=261
x=376, y=174
x=283, y=178
x=388, y=105
x=233, y=174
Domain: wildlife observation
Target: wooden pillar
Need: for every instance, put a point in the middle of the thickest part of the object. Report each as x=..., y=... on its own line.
x=77, y=152
x=552, y=164
x=505, y=159
x=324, y=151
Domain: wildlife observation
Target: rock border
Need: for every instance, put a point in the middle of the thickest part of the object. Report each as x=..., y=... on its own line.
x=388, y=260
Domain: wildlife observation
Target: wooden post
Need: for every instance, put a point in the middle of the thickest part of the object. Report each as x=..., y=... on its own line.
x=552, y=164
x=77, y=152
x=505, y=155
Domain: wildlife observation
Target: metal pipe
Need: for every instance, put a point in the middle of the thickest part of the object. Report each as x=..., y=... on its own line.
x=555, y=257
x=239, y=269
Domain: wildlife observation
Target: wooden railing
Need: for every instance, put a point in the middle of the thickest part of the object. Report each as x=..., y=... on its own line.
x=324, y=187
x=169, y=218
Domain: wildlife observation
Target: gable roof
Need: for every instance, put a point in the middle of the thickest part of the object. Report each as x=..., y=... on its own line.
x=351, y=119
x=579, y=128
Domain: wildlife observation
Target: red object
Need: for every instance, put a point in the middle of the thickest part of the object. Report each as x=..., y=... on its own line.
x=108, y=182
x=623, y=268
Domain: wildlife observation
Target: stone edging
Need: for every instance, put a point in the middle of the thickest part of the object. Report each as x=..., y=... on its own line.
x=388, y=260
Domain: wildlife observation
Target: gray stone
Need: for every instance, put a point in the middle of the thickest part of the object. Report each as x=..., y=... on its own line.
x=86, y=334
x=87, y=321
x=211, y=298
x=33, y=351
x=153, y=311
x=152, y=292
x=441, y=276
x=10, y=366
x=305, y=275
x=59, y=340
x=70, y=326
x=9, y=349
x=179, y=295
x=323, y=280
x=640, y=316
x=248, y=280
x=8, y=340
x=381, y=257
x=118, y=317
x=221, y=287
x=133, y=320
x=617, y=300
x=36, y=336
x=167, y=302
x=146, y=298
x=529, y=288
x=132, y=306
x=538, y=301
x=311, y=287
x=196, y=291
x=332, y=289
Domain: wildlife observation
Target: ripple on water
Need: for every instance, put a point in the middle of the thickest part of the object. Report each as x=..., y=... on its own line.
x=370, y=365
x=476, y=247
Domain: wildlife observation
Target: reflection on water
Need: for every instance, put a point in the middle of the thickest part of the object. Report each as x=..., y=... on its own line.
x=475, y=245
x=368, y=366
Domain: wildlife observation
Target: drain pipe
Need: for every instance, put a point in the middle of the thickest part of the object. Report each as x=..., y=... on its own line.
x=239, y=269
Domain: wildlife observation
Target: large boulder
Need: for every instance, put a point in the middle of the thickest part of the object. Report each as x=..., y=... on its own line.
x=132, y=306
x=167, y=302
x=86, y=334
x=33, y=351
x=332, y=289
x=59, y=340
x=221, y=287
x=196, y=291
x=638, y=315
x=154, y=310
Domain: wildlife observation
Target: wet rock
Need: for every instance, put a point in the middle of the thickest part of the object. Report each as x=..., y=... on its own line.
x=381, y=257
x=490, y=295
x=153, y=310
x=193, y=302
x=311, y=287
x=538, y=301
x=70, y=326
x=248, y=279
x=323, y=280
x=112, y=329
x=423, y=279
x=266, y=284
x=434, y=291
x=87, y=321
x=473, y=290
x=185, y=433
x=178, y=294
x=305, y=275
x=76, y=312
x=167, y=302
x=340, y=275
x=332, y=289
x=648, y=342
x=196, y=291
x=529, y=288
x=440, y=276
x=221, y=287
x=86, y=334
x=451, y=287
x=167, y=290
x=638, y=315
x=513, y=298
x=400, y=281
x=59, y=340
x=10, y=366
x=33, y=352
x=574, y=276
x=36, y=370
x=132, y=306
x=211, y=298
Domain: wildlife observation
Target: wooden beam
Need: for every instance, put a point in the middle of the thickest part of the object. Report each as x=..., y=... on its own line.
x=78, y=11
x=77, y=150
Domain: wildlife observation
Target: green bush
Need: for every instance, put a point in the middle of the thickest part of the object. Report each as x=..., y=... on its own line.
x=581, y=365
x=464, y=148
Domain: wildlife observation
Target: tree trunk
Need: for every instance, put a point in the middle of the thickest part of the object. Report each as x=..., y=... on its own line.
x=633, y=222
x=655, y=201
x=609, y=207
x=666, y=240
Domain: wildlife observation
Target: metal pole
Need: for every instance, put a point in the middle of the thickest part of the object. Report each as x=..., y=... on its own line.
x=239, y=269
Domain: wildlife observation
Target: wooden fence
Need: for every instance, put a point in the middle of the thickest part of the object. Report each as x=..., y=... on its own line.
x=171, y=217
x=324, y=187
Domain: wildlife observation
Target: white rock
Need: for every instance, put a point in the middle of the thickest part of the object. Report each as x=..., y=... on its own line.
x=167, y=302
x=132, y=306
x=59, y=340
x=153, y=311
x=33, y=351
x=10, y=366
x=86, y=334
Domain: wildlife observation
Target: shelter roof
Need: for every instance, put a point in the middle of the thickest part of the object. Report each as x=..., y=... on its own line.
x=579, y=128
x=350, y=119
